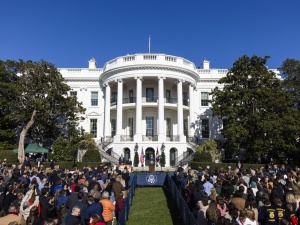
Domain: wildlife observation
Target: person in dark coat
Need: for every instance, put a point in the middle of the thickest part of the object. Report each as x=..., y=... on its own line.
x=277, y=192
x=267, y=214
x=73, y=198
x=9, y=199
x=120, y=201
x=82, y=205
x=95, y=207
x=44, y=203
x=126, y=177
x=121, y=160
x=73, y=218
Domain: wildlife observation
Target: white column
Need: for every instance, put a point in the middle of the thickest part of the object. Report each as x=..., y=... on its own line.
x=138, y=116
x=179, y=110
x=119, y=110
x=107, y=111
x=161, y=114
x=191, y=111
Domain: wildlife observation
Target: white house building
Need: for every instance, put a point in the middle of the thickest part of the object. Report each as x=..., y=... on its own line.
x=149, y=102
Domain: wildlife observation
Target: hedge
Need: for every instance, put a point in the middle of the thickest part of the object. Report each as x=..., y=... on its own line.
x=69, y=165
x=10, y=156
x=216, y=166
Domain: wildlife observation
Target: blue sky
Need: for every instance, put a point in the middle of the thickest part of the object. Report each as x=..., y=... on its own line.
x=68, y=33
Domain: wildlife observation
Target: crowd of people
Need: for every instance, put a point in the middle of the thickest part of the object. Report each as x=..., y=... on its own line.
x=266, y=195
x=54, y=196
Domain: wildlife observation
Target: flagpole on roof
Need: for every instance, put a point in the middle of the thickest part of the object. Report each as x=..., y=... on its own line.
x=149, y=43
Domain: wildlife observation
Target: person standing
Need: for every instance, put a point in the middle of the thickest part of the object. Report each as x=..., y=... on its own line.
x=121, y=160
x=73, y=218
x=94, y=208
x=108, y=208
x=12, y=216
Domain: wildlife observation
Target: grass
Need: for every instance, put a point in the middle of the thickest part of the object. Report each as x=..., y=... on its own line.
x=153, y=205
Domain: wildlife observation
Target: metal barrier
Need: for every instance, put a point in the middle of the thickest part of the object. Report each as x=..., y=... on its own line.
x=186, y=215
x=125, y=211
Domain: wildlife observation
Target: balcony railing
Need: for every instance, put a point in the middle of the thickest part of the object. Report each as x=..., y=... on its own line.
x=171, y=100
x=172, y=138
x=150, y=138
x=113, y=102
x=150, y=99
x=129, y=100
x=126, y=138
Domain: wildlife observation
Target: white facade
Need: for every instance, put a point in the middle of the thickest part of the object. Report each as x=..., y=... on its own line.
x=153, y=101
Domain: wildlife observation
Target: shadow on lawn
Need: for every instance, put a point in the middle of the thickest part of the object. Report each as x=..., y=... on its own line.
x=174, y=212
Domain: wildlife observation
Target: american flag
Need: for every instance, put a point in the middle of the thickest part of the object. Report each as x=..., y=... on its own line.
x=142, y=157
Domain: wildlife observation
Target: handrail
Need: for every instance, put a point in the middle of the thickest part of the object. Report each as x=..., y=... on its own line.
x=126, y=138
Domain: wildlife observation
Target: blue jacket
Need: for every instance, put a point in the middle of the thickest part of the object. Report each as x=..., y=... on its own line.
x=95, y=208
x=83, y=209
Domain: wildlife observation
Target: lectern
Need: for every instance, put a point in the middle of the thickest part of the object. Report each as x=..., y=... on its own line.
x=151, y=165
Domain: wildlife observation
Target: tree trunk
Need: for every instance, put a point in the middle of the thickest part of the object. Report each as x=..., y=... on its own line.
x=21, y=151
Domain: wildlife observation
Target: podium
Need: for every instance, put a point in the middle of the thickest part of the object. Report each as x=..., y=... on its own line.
x=152, y=166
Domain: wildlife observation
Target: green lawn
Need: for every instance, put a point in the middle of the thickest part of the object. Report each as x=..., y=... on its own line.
x=153, y=206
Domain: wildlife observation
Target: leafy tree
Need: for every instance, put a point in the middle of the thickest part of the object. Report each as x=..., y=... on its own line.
x=255, y=104
x=61, y=150
x=40, y=104
x=290, y=71
x=8, y=94
x=207, y=151
x=87, y=142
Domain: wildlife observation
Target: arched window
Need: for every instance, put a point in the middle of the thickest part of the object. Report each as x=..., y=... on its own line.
x=173, y=157
x=126, y=155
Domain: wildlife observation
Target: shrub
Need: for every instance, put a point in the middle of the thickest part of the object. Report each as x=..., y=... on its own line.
x=10, y=156
x=203, y=157
x=91, y=156
x=162, y=159
x=136, y=159
x=61, y=150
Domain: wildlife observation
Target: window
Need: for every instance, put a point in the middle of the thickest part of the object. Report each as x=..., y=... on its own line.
x=93, y=127
x=225, y=122
x=205, y=128
x=149, y=95
x=114, y=97
x=74, y=95
x=168, y=96
x=185, y=127
x=204, y=98
x=113, y=127
x=149, y=126
x=168, y=127
x=94, y=98
x=130, y=125
x=131, y=96
x=185, y=98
